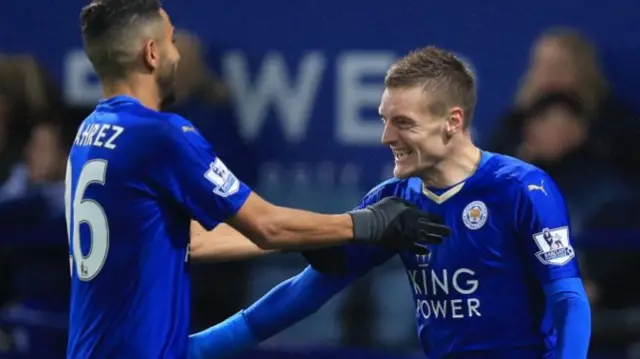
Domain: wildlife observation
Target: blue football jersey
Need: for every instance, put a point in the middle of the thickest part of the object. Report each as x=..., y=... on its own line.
x=479, y=294
x=135, y=179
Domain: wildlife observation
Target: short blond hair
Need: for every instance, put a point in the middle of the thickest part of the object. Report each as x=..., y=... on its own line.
x=440, y=72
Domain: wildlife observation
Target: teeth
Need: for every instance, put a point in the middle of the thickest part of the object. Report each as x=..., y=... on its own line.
x=400, y=154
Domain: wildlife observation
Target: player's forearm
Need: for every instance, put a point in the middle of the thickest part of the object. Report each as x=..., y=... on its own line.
x=223, y=243
x=293, y=300
x=274, y=227
x=572, y=317
x=285, y=305
x=223, y=340
x=298, y=229
x=574, y=333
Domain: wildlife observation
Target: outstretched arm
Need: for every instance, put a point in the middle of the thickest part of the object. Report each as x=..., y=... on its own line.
x=183, y=167
x=222, y=244
x=285, y=305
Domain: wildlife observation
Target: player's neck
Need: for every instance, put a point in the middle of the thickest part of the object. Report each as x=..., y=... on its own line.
x=142, y=89
x=462, y=162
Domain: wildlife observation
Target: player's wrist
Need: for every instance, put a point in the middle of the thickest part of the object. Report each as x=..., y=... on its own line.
x=365, y=226
x=232, y=336
x=342, y=227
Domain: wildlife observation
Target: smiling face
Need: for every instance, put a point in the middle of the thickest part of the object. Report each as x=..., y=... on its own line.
x=417, y=135
x=428, y=100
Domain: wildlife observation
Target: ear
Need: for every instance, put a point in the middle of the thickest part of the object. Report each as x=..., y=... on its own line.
x=151, y=54
x=455, y=121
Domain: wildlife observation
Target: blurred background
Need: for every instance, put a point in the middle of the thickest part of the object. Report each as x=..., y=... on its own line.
x=287, y=92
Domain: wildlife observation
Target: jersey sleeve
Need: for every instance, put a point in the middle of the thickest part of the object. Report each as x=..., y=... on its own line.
x=191, y=173
x=543, y=223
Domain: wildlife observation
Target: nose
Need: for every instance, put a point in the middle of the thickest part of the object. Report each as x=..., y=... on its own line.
x=389, y=135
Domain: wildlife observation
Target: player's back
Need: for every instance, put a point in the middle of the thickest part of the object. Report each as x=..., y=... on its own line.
x=128, y=239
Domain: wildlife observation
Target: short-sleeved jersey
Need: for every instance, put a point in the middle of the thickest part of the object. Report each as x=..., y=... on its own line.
x=135, y=179
x=479, y=294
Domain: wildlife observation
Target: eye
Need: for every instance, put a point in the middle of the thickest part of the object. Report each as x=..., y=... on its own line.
x=403, y=122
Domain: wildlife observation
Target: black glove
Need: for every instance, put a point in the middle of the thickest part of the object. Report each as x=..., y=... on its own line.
x=393, y=223
x=397, y=224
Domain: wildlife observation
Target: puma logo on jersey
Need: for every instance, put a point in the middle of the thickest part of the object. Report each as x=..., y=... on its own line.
x=535, y=187
x=188, y=129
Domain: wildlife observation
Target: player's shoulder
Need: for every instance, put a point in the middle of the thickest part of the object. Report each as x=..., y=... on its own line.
x=178, y=124
x=132, y=114
x=406, y=188
x=129, y=115
x=164, y=127
x=510, y=172
x=185, y=132
x=167, y=123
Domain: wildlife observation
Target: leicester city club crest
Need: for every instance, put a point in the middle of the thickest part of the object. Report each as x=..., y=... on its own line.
x=475, y=215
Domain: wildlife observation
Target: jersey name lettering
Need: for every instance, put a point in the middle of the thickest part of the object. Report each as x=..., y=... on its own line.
x=99, y=135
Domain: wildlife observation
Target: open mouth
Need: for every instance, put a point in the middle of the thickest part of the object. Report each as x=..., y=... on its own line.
x=400, y=154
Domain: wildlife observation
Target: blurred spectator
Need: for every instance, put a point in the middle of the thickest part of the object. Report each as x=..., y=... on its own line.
x=27, y=95
x=33, y=245
x=562, y=60
x=566, y=119
x=195, y=78
x=32, y=219
x=46, y=154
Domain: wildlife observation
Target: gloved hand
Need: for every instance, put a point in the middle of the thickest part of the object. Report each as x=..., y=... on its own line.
x=393, y=223
x=398, y=224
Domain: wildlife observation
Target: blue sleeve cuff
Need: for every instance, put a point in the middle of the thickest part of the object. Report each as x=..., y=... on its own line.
x=224, y=340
